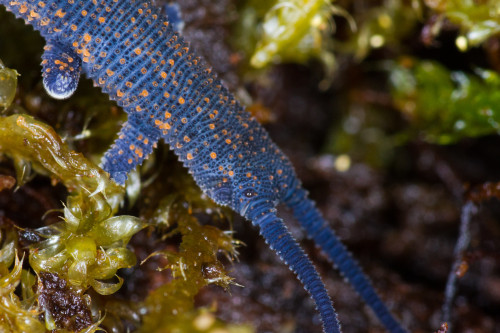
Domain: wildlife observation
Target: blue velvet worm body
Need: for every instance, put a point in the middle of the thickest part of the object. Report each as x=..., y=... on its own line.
x=129, y=49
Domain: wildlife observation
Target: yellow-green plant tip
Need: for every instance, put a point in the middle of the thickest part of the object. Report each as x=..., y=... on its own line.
x=82, y=248
x=28, y=281
x=50, y=323
x=8, y=85
x=49, y=255
x=72, y=221
x=11, y=280
x=9, y=244
x=107, y=288
x=77, y=274
x=115, y=229
x=111, y=260
x=94, y=327
x=14, y=315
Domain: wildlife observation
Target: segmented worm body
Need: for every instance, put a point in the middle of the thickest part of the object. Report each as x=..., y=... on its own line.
x=129, y=49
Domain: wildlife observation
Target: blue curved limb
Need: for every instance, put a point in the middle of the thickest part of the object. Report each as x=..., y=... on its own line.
x=280, y=240
x=128, y=151
x=61, y=68
x=318, y=229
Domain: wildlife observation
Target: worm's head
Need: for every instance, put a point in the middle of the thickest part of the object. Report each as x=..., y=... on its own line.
x=246, y=195
x=255, y=184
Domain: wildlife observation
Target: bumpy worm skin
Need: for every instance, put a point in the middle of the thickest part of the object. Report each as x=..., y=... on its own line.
x=129, y=49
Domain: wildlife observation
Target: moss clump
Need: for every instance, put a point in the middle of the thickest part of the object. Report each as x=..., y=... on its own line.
x=193, y=266
x=16, y=314
x=478, y=20
x=191, y=254
x=445, y=106
x=87, y=248
x=287, y=31
x=8, y=84
x=89, y=245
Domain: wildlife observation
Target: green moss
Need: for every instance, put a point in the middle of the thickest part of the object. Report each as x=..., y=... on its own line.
x=382, y=26
x=33, y=144
x=440, y=106
x=285, y=31
x=89, y=245
x=8, y=84
x=193, y=266
x=444, y=106
x=17, y=315
x=194, y=253
x=478, y=20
